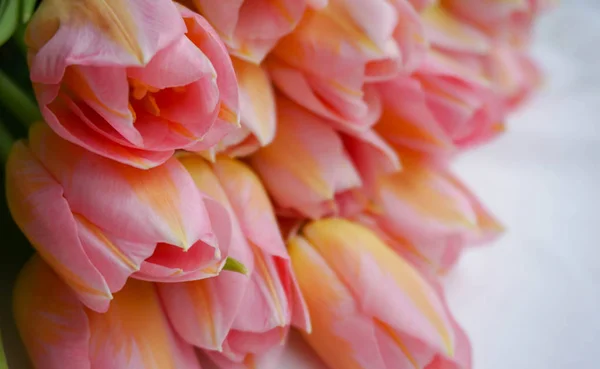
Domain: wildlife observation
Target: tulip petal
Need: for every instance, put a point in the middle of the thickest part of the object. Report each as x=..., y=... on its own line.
x=52, y=322
x=201, y=33
x=37, y=205
x=157, y=205
x=203, y=311
x=115, y=259
x=342, y=336
x=303, y=89
x=265, y=301
x=407, y=121
x=251, y=205
x=134, y=333
x=384, y=281
x=306, y=164
x=68, y=120
x=449, y=33
x=257, y=101
x=96, y=32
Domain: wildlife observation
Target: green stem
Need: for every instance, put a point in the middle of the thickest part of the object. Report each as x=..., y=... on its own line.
x=17, y=101
x=3, y=364
x=6, y=142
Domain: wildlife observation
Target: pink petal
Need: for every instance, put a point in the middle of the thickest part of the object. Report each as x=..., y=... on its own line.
x=68, y=120
x=158, y=205
x=135, y=333
x=383, y=282
x=51, y=321
x=257, y=101
x=37, y=204
x=342, y=335
x=251, y=205
x=107, y=34
x=306, y=165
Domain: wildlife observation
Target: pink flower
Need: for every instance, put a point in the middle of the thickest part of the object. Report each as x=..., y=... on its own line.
x=131, y=80
x=257, y=112
x=250, y=28
x=510, y=21
x=511, y=73
x=245, y=319
x=59, y=331
x=369, y=307
x=442, y=107
x=325, y=62
x=427, y=215
x=311, y=169
x=96, y=222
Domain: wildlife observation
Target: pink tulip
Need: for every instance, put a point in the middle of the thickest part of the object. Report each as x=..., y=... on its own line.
x=306, y=168
x=369, y=307
x=131, y=80
x=257, y=111
x=511, y=73
x=97, y=222
x=504, y=20
x=250, y=28
x=60, y=332
x=440, y=108
x=245, y=320
x=427, y=215
x=324, y=64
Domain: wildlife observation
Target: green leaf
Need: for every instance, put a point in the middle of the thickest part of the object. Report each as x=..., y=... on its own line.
x=27, y=8
x=9, y=19
x=233, y=265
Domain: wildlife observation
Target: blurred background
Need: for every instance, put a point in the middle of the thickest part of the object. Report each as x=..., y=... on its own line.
x=531, y=300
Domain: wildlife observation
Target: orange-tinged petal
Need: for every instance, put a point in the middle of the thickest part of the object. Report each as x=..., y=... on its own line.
x=135, y=333
x=384, y=282
x=51, y=321
x=57, y=329
x=257, y=101
x=37, y=204
x=306, y=165
x=98, y=32
x=342, y=336
x=450, y=33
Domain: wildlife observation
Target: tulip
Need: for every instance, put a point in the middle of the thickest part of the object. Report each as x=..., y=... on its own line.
x=443, y=107
x=97, y=221
x=243, y=320
x=59, y=331
x=305, y=168
x=325, y=62
x=427, y=215
x=510, y=21
x=511, y=73
x=369, y=307
x=257, y=113
x=249, y=28
x=131, y=81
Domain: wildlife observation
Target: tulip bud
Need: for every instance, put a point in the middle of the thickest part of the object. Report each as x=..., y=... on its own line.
x=240, y=321
x=369, y=307
x=58, y=330
x=129, y=81
x=427, y=215
x=98, y=222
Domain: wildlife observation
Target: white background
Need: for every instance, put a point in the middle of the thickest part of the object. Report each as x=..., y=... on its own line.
x=532, y=300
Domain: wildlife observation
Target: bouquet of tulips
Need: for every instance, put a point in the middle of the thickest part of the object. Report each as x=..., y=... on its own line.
x=200, y=178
